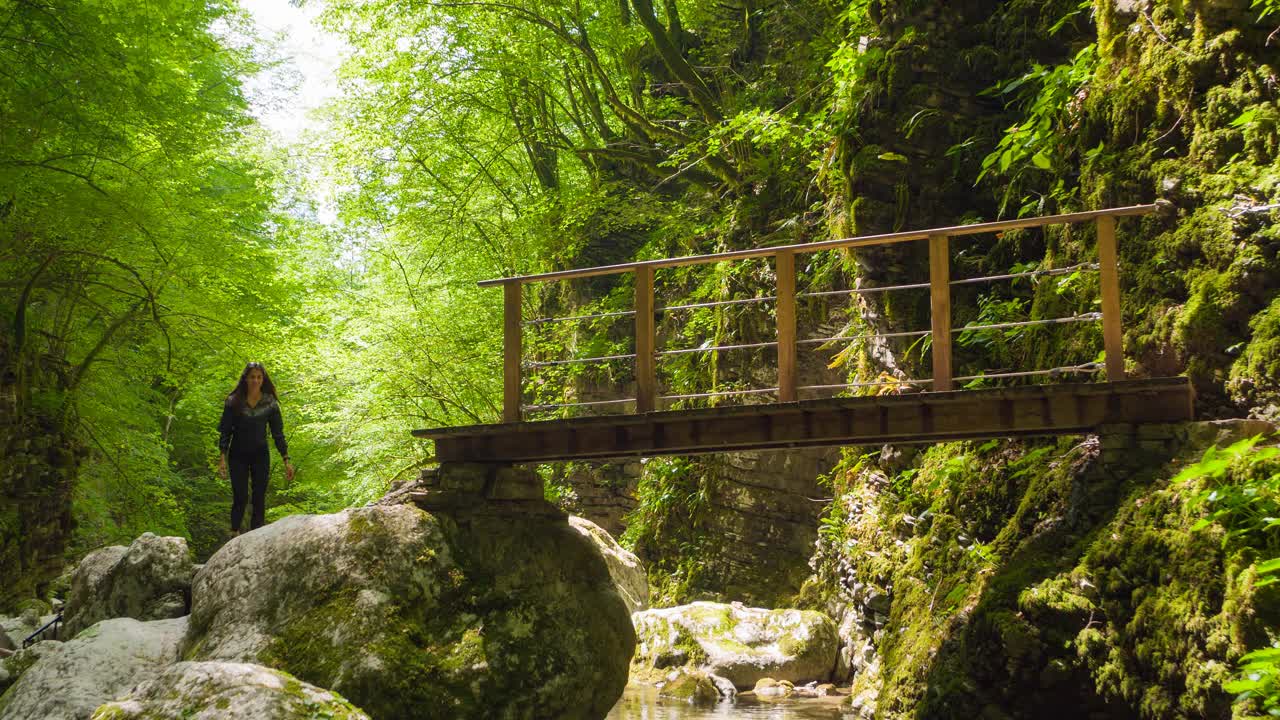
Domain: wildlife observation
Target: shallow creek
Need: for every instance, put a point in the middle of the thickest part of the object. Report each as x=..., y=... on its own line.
x=642, y=703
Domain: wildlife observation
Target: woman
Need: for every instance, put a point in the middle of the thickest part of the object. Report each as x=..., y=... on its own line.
x=242, y=442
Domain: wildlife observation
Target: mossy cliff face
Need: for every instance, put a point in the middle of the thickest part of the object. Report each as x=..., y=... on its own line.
x=1185, y=102
x=1012, y=580
x=416, y=615
x=1140, y=101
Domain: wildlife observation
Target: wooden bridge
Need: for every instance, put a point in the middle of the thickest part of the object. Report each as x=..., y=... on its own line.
x=940, y=414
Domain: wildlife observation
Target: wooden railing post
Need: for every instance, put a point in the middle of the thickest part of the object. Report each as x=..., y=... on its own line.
x=940, y=304
x=646, y=378
x=1109, y=278
x=785, y=308
x=511, y=351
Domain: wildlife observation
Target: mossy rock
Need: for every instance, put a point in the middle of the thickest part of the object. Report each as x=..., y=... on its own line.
x=227, y=691
x=735, y=642
x=414, y=615
x=690, y=686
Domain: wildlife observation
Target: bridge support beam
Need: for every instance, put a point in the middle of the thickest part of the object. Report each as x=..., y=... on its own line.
x=511, y=351
x=1062, y=409
x=1109, y=279
x=940, y=304
x=646, y=374
x=471, y=487
x=785, y=308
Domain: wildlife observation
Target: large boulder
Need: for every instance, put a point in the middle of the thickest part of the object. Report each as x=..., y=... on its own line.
x=228, y=691
x=410, y=614
x=149, y=580
x=624, y=567
x=13, y=666
x=102, y=663
x=738, y=643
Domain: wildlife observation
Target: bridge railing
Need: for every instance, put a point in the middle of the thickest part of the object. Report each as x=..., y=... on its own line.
x=940, y=288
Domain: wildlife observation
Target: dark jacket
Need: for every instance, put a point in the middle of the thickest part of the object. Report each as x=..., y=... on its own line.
x=245, y=428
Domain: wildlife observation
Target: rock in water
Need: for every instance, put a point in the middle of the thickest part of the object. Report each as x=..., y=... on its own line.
x=149, y=580
x=624, y=567
x=100, y=664
x=692, y=686
x=228, y=691
x=413, y=615
x=739, y=643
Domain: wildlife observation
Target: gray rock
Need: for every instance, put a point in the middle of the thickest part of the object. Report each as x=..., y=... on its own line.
x=12, y=667
x=149, y=580
x=624, y=567
x=724, y=686
x=739, y=643
x=99, y=665
x=6, y=643
x=410, y=614
x=20, y=628
x=18, y=662
x=228, y=691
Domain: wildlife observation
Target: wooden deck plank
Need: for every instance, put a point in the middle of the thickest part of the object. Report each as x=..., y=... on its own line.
x=918, y=418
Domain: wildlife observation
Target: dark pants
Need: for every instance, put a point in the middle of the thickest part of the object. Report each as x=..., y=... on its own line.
x=241, y=464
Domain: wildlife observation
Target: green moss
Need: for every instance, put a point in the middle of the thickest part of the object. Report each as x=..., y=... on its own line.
x=1049, y=576
x=1255, y=375
x=40, y=607
x=306, y=647
x=16, y=665
x=692, y=687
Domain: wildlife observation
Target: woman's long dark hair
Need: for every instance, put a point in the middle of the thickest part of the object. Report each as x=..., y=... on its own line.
x=239, y=396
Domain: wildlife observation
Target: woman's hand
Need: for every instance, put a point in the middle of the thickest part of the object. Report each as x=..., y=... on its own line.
x=222, y=467
x=288, y=470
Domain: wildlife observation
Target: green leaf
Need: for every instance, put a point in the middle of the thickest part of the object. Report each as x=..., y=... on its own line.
x=1269, y=566
x=1245, y=118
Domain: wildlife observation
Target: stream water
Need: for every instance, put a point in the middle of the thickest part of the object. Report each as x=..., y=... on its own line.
x=642, y=703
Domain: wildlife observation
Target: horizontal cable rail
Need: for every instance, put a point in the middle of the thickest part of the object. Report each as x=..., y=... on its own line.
x=721, y=393
x=743, y=346
x=878, y=383
x=541, y=321
x=996, y=326
x=714, y=303
x=883, y=288
x=1087, y=317
x=822, y=341
x=1030, y=273
x=1085, y=368
x=576, y=361
x=966, y=281
x=538, y=408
